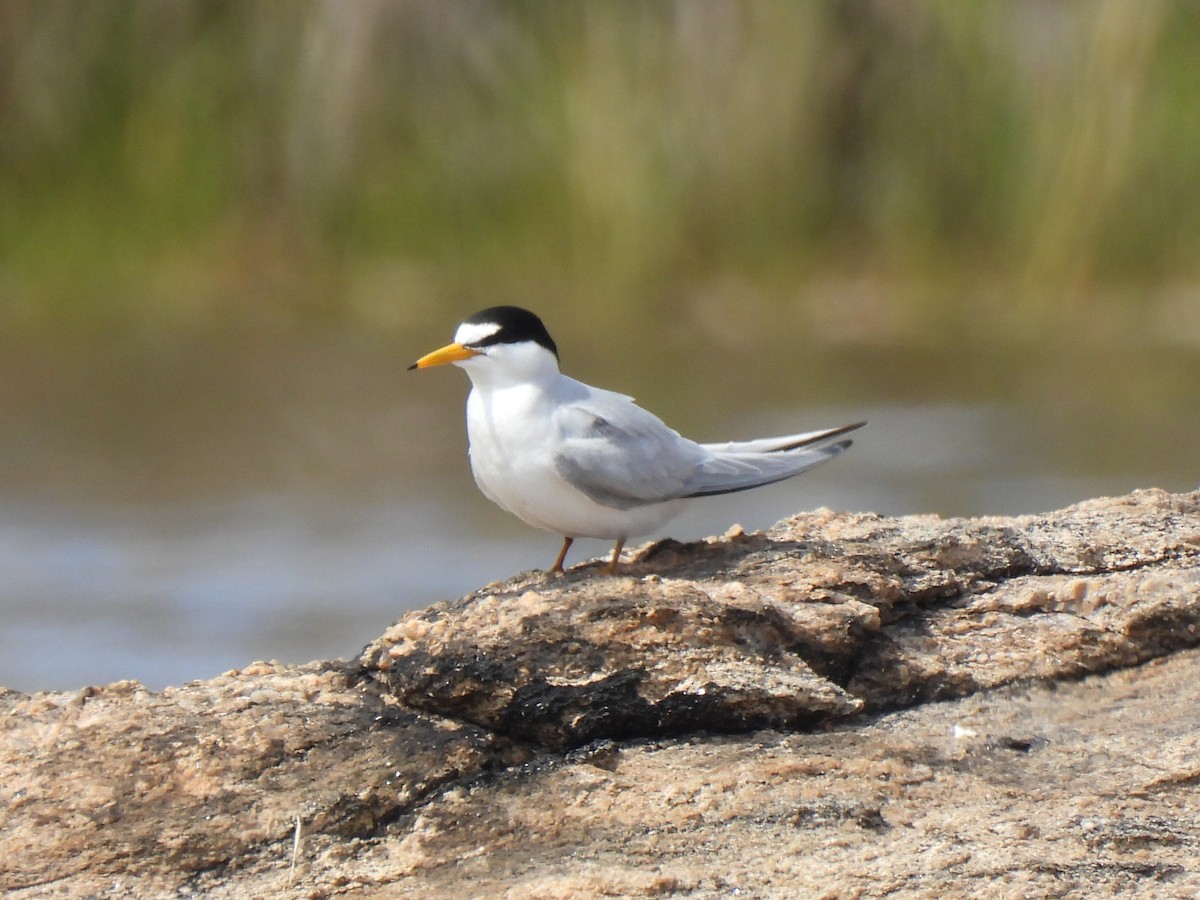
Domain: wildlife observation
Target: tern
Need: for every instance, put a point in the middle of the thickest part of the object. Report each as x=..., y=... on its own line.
x=580, y=461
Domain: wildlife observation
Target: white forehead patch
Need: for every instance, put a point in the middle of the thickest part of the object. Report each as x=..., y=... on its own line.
x=470, y=332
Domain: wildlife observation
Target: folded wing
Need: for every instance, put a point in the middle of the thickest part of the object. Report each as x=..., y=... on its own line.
x=784, y=442
x=623, y=457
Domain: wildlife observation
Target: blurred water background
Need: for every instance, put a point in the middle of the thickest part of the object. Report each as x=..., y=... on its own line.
x=226, y=228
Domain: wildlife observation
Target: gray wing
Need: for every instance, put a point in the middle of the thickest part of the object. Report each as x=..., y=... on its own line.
x=784, y=442
x=621, y=456
x=725, y=473
x=741, y=465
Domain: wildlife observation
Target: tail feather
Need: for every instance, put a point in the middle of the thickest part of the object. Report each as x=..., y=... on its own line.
x=784, y=442
x=727, y=472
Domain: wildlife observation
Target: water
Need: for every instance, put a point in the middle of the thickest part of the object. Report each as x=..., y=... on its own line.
x=167, y=593
x=210, y=452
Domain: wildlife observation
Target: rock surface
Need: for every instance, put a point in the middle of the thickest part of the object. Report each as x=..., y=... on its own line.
x=752, y=714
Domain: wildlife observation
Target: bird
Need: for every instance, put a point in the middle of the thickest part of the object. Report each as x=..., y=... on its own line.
x=580, y=461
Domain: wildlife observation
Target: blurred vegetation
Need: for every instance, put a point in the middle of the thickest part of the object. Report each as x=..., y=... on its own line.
x=860, y=170
x=227, y=226
x=226, y=221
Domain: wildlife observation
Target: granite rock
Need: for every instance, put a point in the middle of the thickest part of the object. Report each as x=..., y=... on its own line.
x=845, y=705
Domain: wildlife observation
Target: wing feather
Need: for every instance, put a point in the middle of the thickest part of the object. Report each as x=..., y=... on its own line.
x=783, y=442
x=622, y=456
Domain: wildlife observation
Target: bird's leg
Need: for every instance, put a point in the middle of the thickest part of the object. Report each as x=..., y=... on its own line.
x=557, y=568
x=612, y=563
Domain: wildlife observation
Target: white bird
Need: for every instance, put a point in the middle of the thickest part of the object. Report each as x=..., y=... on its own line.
x=583, y=462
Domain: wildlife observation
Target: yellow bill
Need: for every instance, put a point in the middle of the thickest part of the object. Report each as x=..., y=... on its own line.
x=448, y=354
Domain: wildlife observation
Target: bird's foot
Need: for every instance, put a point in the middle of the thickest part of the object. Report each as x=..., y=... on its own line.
x=557, y=568
x=611, y=568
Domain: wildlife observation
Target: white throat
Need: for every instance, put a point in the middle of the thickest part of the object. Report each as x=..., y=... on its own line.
x=508, y=365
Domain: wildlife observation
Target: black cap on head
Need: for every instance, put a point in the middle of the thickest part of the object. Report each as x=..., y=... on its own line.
x=513, y=326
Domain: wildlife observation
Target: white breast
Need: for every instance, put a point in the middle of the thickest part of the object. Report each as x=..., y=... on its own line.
x=512, y=442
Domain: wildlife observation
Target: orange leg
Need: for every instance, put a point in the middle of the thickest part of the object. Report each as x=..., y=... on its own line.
x=612, y=563
x=557, y=568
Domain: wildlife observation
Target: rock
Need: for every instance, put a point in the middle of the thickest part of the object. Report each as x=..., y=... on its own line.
x=121, y=782
x=748, y=714
x=817, y=619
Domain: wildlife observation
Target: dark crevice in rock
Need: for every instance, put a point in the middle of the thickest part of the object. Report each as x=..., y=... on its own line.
x=571, y=669
x=826, y=618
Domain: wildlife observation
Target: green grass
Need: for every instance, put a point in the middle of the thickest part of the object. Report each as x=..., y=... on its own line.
x=992, y=167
